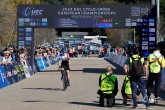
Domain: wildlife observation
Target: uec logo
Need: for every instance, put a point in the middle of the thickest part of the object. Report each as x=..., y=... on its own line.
x=32, y=12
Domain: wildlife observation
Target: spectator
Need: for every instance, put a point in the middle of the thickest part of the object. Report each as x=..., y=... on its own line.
x=136, y=81
x=126, y=90
x=13, y=55
x=71, y=52
x=84, y=53
x=154, y=63
x=23, y=55
x=7, y=58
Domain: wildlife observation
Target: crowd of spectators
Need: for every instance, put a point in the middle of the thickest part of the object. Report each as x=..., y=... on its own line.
x=13, y=55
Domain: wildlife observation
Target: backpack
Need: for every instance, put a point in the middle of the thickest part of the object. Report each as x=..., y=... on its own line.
x=137, y=70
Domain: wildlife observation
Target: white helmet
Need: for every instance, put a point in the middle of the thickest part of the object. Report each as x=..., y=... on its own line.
x=64, y=58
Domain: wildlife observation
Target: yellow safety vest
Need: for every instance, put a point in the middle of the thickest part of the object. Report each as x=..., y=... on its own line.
x=107, y=83
x=155, y=67
x=127, y=85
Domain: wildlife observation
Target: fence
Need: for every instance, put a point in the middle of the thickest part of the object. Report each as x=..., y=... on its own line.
x=12, y=73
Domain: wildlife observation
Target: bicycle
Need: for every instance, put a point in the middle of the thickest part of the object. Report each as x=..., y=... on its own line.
x=65, y=79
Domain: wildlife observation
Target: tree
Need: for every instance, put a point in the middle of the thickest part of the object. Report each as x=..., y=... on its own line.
x=7, y=19
x=17, y=2
x=117, y=38
x=44, y=35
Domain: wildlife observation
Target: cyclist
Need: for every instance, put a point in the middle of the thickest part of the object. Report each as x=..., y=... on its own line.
x=65, y=63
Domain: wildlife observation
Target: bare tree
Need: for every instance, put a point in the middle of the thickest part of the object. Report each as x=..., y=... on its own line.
x=44, y=35
x=117, y=38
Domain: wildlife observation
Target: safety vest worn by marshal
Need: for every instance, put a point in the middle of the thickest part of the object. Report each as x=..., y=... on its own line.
x=127, y=85
x=107, y=83
x=136, y=58
x=154, y=66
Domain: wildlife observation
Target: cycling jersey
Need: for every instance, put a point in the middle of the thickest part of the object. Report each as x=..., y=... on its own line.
x=65, y=61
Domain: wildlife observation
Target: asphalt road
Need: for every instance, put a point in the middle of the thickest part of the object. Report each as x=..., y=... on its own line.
x=43, y=91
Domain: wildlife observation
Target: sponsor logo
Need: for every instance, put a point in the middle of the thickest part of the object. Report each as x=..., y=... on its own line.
x=39, y=19
x=44, y=24
x=128, y=20
x=144, y=34
x=21, y=19
x=152, y=34
x=151, y=48
x=145, y=24
x=21, y=23
x=139, y=20
x=139, y=24
x=3, y=76
x=28, y=43
x=27, y=19
x=134, y=20
x=31, y=11
x=21, y=34
x=21, y=42
x=145, y=20
x=145, y=47
x=151, y=29
x=128, y=24
x=151, y=38
x=38, y=24
x=32, y=19
x=28, y=29
x=32, y=23
x=28, y=34
x=27, y=23
x=144, y=38
x=151, y=24
x=134, y=24
x=151, y=20
x=44, y=19
x=21, y=38
x=144, y=42
x=20, y=47
x=21, y=29
x=151, y=43
x=145, y=30
x=28, y=38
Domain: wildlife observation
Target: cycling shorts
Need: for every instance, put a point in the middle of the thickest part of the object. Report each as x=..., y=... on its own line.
x=65, y=64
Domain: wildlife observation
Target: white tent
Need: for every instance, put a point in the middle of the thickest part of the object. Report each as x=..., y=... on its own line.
x=96, y=40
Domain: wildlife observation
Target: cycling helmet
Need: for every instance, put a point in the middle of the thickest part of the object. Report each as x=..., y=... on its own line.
x=64, y=58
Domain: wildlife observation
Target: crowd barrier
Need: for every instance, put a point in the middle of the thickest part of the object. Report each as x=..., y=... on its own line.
x=120, y=60
x=12, y=73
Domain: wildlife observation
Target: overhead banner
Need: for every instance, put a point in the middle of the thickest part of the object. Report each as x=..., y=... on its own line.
x=86, y=16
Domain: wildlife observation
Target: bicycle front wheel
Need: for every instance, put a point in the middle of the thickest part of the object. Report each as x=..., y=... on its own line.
x=64, y=82
x=64, y=86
